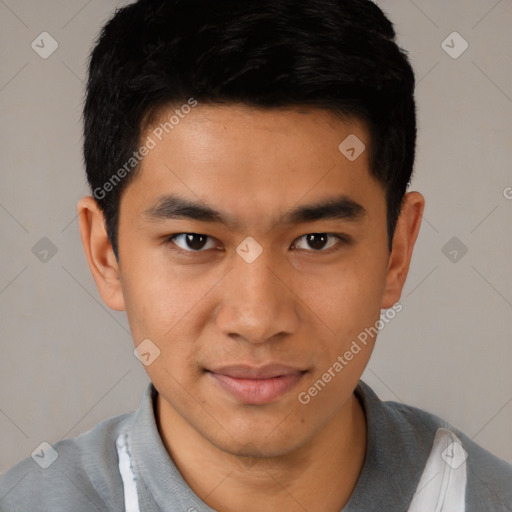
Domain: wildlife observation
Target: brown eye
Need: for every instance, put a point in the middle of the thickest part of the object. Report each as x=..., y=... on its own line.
x=318, y=242
x=192, y=242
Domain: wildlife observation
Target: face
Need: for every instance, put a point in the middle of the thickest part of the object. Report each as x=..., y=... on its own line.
x=253, y=253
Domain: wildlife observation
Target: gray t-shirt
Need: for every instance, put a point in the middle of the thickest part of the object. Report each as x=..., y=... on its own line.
x=88, y=473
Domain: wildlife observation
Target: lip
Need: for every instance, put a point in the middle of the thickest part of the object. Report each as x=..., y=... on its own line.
x=256, y=385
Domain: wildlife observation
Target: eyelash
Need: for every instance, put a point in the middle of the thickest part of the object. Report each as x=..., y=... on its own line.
x=343, y=240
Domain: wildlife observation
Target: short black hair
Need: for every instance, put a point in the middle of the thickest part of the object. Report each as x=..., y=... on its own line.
x=336, y=55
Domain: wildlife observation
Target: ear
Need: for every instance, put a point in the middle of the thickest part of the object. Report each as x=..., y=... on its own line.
x=99, y=253
x=404, y=238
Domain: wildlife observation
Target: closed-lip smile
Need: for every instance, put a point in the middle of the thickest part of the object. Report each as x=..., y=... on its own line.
x=256, y=385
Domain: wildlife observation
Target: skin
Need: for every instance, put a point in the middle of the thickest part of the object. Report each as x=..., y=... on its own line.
x=293, y=305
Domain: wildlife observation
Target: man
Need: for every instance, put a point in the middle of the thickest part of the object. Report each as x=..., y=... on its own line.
x=249, y=164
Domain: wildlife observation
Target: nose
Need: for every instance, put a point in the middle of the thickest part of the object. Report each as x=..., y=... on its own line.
x=258, y=303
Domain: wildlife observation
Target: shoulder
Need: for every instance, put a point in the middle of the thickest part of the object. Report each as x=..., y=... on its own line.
x=489, y=478
x=78, y=473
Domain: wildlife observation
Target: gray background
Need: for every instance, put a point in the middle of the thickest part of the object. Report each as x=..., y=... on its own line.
x=67, y=361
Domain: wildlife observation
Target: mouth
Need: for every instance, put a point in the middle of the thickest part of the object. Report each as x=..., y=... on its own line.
x=256, y=385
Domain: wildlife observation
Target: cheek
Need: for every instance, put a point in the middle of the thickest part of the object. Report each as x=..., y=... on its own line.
x=153, y=304
x=346, y=297
x=168, y=308
x=159, y=310
x=348, y=305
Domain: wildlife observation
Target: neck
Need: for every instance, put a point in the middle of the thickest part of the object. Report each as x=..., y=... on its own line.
x=318, y=476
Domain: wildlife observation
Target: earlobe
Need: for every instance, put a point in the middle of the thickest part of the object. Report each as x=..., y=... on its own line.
x=406, y=233
x=100, y=255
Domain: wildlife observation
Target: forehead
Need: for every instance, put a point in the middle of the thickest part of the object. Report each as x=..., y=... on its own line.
x=242, y=159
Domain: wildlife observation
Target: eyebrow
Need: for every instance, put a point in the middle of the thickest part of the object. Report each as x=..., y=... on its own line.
x=174, y=207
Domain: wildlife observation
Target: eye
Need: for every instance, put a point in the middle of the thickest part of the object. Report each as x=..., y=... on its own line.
x=320, y=242
x=192, y=242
